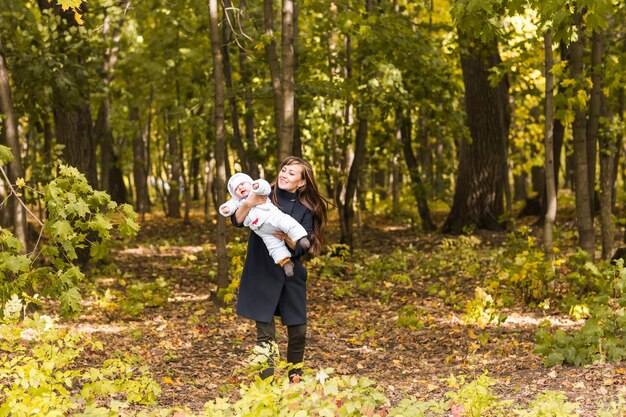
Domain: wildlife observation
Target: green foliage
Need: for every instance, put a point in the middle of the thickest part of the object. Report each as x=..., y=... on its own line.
x=409, y=319
x=600, y=339
x=37, y=372
x=79, y=224
x=550, y=404
x=482, y=310
x=524, y=269
x=315, y=394
x=474, y=398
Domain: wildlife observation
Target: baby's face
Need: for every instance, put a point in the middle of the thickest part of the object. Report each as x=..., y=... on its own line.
x=243, y=189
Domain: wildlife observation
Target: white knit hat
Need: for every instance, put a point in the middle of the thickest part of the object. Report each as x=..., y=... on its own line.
x=237, y=179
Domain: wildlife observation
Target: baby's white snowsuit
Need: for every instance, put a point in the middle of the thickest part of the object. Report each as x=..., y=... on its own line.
x=264, y=219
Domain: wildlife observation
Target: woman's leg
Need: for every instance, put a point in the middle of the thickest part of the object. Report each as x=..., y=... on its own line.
x=295, y=347
x=266, y=337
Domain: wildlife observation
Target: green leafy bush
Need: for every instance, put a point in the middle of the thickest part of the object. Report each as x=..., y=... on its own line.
x=600, y=339
x=38, y=375
x=79, y=220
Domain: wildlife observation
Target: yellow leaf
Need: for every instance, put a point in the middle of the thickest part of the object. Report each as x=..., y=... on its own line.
x=431, y=387
x=168, y=380
x=69, y=4
x=20, y=182
x=78, y=18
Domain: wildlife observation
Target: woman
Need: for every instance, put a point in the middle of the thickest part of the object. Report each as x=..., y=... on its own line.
x=265, y=291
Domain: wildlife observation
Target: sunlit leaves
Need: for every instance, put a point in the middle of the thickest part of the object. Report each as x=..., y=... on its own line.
x=5, y=154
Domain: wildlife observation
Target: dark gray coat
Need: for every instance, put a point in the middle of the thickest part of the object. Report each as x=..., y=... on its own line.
x=264, y=290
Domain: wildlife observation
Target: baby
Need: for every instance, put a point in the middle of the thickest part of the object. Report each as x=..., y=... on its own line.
x=265, y=219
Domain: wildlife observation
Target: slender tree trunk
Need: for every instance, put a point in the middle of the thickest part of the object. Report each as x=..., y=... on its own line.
x=173, y=177
x=346, y=207
x=347, y=212
x=274, y=66
x=404, y=123
x=607, y=146
x=480, y=186
x=251, y=145
x=142, y=199
x=104, y=137
x=12, y=140
x=593, y=121
x=285, y=143
x=548, y=225
x=194, y=168
x=220, y=148
x=297, y=139
x=396, y=176
x=237, y=141
x=425, y=149
x=579, y=132
x=102, y=129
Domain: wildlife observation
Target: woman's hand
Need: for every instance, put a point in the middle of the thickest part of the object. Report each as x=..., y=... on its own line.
x=284, y=236
x=253, y=200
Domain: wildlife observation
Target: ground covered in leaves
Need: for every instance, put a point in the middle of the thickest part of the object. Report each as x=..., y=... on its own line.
x=197, y=350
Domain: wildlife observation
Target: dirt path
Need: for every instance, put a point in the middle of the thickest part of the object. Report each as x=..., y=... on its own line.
x=193, y=348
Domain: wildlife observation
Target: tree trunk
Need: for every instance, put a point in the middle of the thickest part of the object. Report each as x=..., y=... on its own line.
x=12, y=140
x=285, y=143
x=237, y=141
x=579, y=133
x=404, y=123
x=73, y=129
x=220, y=148
x=425, y=149
x=347, y=209
x=274, y=65
x=297, y=137
x=252, y=153
x=102, y=129
x=140, y=169
x=607, y=146
x=593, y=121
x=548, y=225
x=173, y=175
x=480, y=186
x=104, y=137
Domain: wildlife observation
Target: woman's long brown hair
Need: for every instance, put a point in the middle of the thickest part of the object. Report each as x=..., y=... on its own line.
x=310, y=196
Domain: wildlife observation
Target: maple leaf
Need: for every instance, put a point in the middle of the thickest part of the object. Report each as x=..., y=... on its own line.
x=69, y=4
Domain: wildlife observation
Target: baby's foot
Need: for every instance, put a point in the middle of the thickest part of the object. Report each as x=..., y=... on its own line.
x=288, y=267
x=305, y=242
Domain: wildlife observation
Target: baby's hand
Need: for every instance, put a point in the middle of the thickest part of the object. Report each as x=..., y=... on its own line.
x=255, y=185
x=225, y=210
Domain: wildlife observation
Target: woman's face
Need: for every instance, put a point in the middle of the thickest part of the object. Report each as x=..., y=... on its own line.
x=290, y=178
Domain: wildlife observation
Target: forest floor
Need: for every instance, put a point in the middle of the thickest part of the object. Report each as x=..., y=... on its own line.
x=195, y=350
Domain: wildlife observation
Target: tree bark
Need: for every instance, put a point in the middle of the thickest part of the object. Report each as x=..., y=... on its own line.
x=480, y=186
x=237, y=141
x=220, y=148
x=250, y=145
x=102, y=129
x=593, y=121
x=274, y=66
x=173, y=174
x=12, y=140
x=548, y=225
x=419, y=191
x=347, y=208
x=285, y=143
x=607, y=145
x=140, y=169
x=579, y=132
